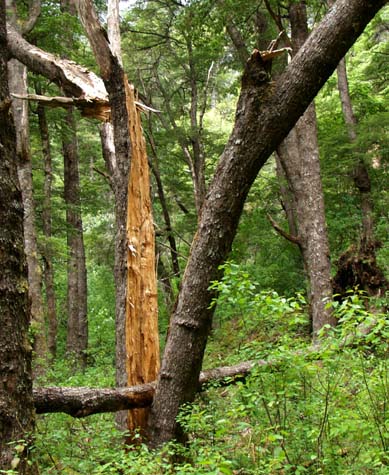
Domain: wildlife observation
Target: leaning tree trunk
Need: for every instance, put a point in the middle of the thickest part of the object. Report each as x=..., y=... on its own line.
x=77, y=323
x=16, y=403
x=265, y=114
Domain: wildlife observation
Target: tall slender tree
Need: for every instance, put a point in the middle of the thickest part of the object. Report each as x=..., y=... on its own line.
x=48, y=269
x=77, y=325
x=297, y=161
x=18, y=85
x=300, y=161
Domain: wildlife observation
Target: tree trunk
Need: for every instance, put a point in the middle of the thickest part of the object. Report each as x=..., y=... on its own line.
x=142, y=338
x=136, y=311
x=265, y=114
x=16, y=403
x=18, y=85
x=301, y=162
x=77, y=323
x=48, y=270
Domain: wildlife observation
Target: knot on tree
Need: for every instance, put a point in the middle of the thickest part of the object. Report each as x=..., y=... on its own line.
x=255, y=72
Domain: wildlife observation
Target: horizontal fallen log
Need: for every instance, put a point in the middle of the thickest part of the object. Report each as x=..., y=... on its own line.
x=82, y=402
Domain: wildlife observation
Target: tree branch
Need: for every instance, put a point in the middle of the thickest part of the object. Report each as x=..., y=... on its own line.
x=277, y=227
x=75, y=80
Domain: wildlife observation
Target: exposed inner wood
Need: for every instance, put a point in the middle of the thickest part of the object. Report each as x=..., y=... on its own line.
x=142, y=340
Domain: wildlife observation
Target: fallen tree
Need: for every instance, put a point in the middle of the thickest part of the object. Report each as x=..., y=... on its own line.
x=82, y=402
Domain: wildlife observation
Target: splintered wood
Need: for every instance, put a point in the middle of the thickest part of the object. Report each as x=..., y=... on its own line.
x=142, y=341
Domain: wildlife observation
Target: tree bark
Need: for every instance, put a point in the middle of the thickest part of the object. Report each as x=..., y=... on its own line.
x=48, y=270
x=77, y=321
x=265, y=114
x=16, y=403
x=18, y=84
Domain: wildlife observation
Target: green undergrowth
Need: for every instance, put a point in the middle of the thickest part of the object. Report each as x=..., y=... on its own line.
x=305, y=409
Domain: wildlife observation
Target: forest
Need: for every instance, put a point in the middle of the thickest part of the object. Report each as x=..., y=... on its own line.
x=194, y=237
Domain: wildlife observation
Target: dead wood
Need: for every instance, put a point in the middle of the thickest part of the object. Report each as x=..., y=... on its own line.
x=82, y=402
x=358, y=268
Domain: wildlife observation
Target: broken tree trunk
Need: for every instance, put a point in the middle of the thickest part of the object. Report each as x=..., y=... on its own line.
x=75, y=80
x=137, y=356
x=142, y=340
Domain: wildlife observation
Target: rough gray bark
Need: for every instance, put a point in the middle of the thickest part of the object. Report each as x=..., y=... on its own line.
x=48, y=270
x=77, y=323
x=16, y=403
x=266, y=112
